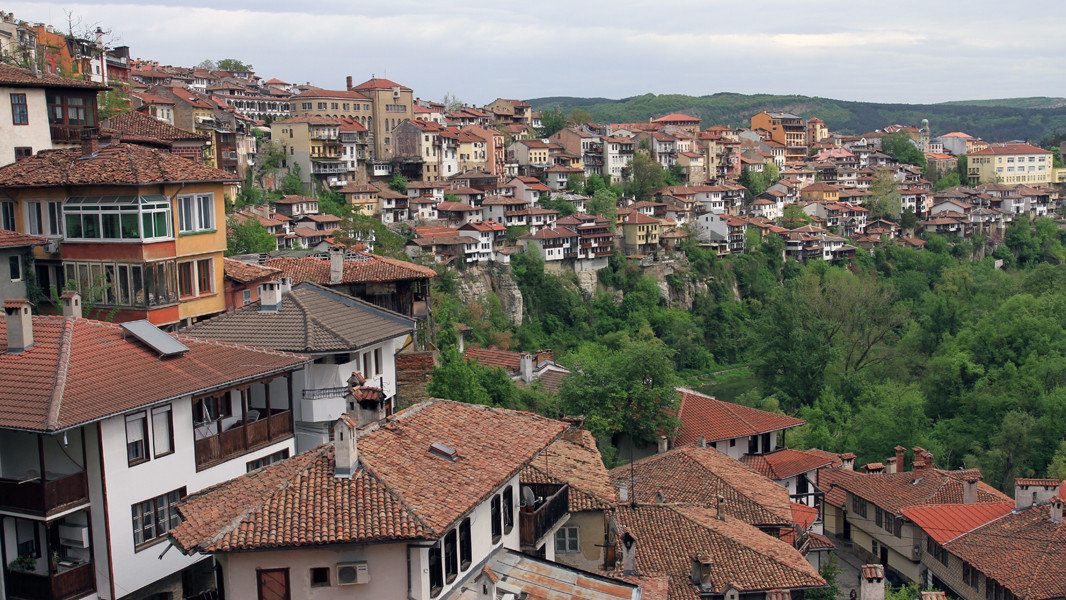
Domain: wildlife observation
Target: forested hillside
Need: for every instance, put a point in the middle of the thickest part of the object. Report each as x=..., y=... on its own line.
x=993, y=120
x=915, y=347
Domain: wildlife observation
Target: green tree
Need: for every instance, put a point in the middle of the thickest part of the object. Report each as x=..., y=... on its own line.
x=112, y=101
x=398, y=183
x=604, y=203
x=207, y=64
x=884, y=202
x=829, y=572
x=249, y=237
x=579, y=117
x=900, y=147
x=564, y=207
x=551, y=120
x=291, y=184
x=232, y=64
x=646, y=176
x=962, y=169
x=794, y=217
x=948, y=181
x=625, y=390
x=575, y=183
x=457, y=379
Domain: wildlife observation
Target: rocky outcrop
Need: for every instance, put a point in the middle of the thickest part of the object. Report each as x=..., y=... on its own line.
x=476, y=283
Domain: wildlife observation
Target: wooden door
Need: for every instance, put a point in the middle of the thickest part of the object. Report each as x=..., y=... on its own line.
x=273, y=584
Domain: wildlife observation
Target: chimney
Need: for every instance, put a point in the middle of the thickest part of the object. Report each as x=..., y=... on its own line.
x=90, y=141
x=900, y=459
x=933, y=595
x=345, y=451
x=720, y=507
x=348, y=80
x=663, y=444
x=919, y=465
x=930, y=460
x=270, y=297
x=71, y=304
x=701, y=441
x=890, y=465
x=872, y=582
x=286, y=284
x=919, y=455
x=969, y=490
x=525, y=367
x=486, y=581
x=847, y=461
x=701, y=569
x=1056, y=510
x=19, y=325
x=623, y=492
x=336, y=264
x=629, y=553
x=874, y=469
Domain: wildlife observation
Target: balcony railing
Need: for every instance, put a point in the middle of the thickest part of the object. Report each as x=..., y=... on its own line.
x=45, y=498
x=75, y=582
x=242, y=438
x=66, y=134
x=534, y=522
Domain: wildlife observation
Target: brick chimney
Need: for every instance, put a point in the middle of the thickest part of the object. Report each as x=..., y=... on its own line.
x=19, y=325
x=900, y=459
x=930, y=460
x=847, y=461
x=336, y=264
x=872, y=582
x=969, y=490
x=71, y=304
x=348, y=81
x=90, y=141
x=345, y=450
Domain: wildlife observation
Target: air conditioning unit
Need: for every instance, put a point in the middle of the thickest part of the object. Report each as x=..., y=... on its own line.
x=74, y=536
x=351, y=573
x=51, y=246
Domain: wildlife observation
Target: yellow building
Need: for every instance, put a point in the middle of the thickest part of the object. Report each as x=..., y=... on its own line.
x=363, y=198
x=787, y=129
x=1010, y=163
x=640, y=233
x=140, y=233
x=820, y=192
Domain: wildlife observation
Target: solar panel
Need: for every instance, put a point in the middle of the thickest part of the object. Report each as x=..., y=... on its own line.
x=154, y=337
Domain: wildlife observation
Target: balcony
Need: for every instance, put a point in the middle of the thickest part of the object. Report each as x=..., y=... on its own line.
x=44, y=498
x=240, y=437
x=551, y=509
x=66, y=584
x=66, y=134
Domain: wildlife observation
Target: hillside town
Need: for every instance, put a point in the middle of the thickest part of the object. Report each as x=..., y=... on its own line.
x=262, y=268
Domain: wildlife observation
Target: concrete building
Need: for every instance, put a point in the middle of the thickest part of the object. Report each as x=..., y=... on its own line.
x=1010, y=163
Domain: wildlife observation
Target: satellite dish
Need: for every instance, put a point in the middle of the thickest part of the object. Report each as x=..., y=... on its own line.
x=528, y=497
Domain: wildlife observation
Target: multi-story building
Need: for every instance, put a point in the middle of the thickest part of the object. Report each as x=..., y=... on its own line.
x=390, y=105
x=787, y=129
x=135, y=230
x=257, y=107
x=530, y=153
x=71, y=56
x=18, y=41
x=1010, y=163
x=578, y=141
x=617, y=154
x=47, y=111
x=105, y=428
x=418, y=140
x=16, y=251
x=495, y=149
x=511, y=111
x=640, y=233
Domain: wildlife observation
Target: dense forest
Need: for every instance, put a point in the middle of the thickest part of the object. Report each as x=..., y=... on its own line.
x=924, y=347
x=993, y=120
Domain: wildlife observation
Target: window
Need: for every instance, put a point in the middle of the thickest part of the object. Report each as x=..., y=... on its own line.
x=877, y=517
x=269, y=459
x=186, y=279
x=22, y=152
x=137, y=438
x=210, y=408
x=567, y=541
x=154, y=517
x=142, y=285
x=196, y=213
x=14, y=268
x=319, y=577
x=71, y=110
x=117, y=217
x=43, y=218
x=858, y=506
x=465, y=549
x=27, y=542
x=247, y=296
x=451, y=556
x=436, y=572
x=508, y=509
x=377, y=361
x=205, y=281
x=20, y=114
x=7, y=216
x=272, y=584
x=366, y=364
x=497, y=526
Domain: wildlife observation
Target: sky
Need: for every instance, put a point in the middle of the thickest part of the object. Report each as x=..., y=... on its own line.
x=477, y=50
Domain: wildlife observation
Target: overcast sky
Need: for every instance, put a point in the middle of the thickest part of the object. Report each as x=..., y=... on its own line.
x=902, y=51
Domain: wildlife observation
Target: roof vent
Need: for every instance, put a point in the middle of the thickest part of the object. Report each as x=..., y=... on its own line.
x=444, y=451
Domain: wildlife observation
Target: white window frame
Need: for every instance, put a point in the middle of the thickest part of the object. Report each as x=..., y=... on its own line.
x=196, y=212
x=43, y=217
x=7, y=215
x=570, y=538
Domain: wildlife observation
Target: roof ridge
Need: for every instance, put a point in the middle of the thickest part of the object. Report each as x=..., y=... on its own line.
x=726, y=406
x=62, y=368
x=307, y=318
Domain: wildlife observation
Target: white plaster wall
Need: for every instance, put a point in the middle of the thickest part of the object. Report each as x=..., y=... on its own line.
x=128, y=485
x=36, y=135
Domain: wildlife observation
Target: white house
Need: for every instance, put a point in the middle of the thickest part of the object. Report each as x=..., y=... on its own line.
x=344, y=335
x=103, y=429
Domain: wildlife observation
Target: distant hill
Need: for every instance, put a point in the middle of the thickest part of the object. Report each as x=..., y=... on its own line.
x=993, y=120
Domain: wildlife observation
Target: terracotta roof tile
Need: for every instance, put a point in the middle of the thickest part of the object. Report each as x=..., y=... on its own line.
x=785, y=463
x=246, y=272
x=117, y=164
x=694, y=475
x=140, y=124
x=717, y=420
x=742, y=557
x=13, y=239
x=574, y=459
x=400, y=491
x=12, y=76
x=79, y=370
x=945, y=522
x=367, y=268
x=896, y=491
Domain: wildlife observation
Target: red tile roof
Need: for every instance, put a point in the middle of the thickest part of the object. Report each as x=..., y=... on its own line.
x=491, y=357
x=896, y=491
x=140, y=124
x=741, y=556
x=13, y=239
x=574, y=459
x=945, y=522
x=400, y=491
x=785, y=463
x=79, y=370
x=1024, y=551
x=717, y=420
x=1009, y=149
x=117, y=164
x=378, y=83
x=12, y=76
x=368, y=268
x=317, y=92
x=246, y=272
x=695, y=475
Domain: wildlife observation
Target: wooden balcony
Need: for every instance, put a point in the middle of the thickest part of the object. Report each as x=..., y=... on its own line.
x=67, y=584
x=243, y=438
x=44, y=498
x=534, y=522
x=66, y=134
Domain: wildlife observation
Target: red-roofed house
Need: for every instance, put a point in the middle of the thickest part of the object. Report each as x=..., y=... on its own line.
x=1010, y=163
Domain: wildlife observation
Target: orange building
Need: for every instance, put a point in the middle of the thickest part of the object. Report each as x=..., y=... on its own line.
x=787, y=129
